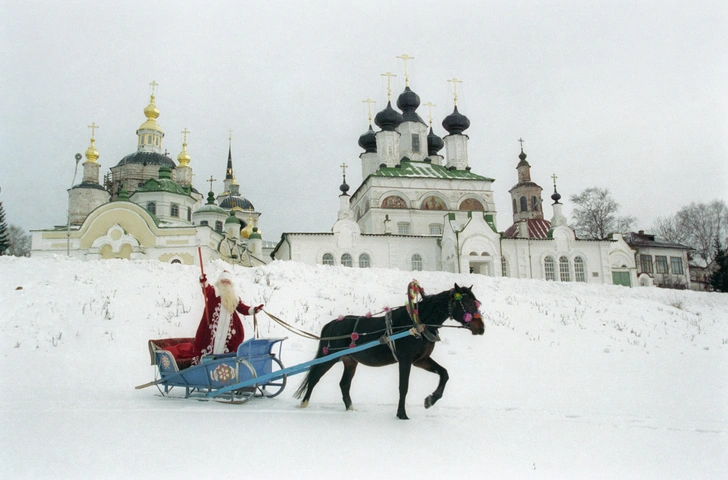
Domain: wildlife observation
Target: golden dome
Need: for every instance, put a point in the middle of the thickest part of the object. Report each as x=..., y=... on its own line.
x=91, y=153
x=151, y=110
x=183, y=158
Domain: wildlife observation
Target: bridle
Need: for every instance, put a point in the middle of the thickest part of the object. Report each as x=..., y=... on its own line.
x=457, y=298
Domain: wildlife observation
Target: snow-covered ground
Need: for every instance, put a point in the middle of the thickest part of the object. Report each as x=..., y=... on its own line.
x=569, y=381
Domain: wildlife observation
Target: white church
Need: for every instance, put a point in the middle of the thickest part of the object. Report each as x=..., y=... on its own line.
x=415, y=209
x=146, y=208
x=419, y=210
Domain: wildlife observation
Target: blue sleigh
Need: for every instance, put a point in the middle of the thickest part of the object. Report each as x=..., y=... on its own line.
x=251, y=370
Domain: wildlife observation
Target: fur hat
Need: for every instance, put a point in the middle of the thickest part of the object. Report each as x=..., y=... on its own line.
x=225, y=275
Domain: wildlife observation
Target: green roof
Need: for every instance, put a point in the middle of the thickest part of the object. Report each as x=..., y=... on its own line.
x=165, y=185
x=412, y=169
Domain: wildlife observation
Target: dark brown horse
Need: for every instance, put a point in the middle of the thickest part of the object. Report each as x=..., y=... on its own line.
x=459, y=303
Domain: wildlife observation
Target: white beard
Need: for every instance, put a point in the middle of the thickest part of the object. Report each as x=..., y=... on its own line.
x=228, y=297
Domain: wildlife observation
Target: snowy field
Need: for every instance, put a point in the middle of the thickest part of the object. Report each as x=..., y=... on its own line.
x=569, y=381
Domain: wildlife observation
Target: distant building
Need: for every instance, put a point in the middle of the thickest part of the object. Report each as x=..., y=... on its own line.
x=660, y=263
x=147, y=208
x=417, y=210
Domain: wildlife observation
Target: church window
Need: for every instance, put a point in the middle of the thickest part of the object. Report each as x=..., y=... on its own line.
x=218, y=226
x=346, y=260
x=579, y=271
x=415, y=143
x=403, y=228
x=564, y=269
x=534, y=203
x=176, y=261
x=548, y=268
x=661, y=264
x=676, y=265
x=394, y=202
x=189, y=214
x=174, y=210
x=152, y=207
x=364, y=261
x=435, y=229
x=149, y=139
x=416, y=263
x=328, y=259
x=204, y=222
x=156, y=140
x=515, y=206
x=524, y=204
x=504, y=266
x=646, y=263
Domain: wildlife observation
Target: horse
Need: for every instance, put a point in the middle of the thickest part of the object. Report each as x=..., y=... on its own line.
x=426, y=317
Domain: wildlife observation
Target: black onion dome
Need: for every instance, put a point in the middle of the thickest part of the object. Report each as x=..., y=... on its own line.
x=434, y=143
x=389, y=118
x=556, y=196
x=456, y=122
x=147, y=158
x=408, y=102
x=344, y=187
x=368, y=141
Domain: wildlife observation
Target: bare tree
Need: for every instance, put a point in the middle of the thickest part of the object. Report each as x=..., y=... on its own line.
x=18, y=242
x=595, y=215
x=668, y=228
x=702, y=224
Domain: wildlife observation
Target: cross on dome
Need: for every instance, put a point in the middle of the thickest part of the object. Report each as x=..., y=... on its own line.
x=405, y=57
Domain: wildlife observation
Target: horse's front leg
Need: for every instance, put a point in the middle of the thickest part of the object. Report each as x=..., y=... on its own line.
x=430, y=365
x=345, y=383
x=405, y=366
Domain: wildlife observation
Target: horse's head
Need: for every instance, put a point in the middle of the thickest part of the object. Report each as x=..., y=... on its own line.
x=464, y=308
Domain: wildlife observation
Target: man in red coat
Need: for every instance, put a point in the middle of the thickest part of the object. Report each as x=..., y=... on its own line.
x=220, y=330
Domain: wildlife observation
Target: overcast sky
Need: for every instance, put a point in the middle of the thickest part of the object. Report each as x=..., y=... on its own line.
x=629, y=96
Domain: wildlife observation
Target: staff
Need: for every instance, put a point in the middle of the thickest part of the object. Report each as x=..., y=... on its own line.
x=202, y=276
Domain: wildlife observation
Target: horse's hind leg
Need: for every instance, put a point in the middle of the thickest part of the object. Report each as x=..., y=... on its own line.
x=345, y=383
x=313, y=377
x=430, y=365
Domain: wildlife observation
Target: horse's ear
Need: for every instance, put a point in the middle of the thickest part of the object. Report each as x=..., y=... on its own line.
x=457, y=288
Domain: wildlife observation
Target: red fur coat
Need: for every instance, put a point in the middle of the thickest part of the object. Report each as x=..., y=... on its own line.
x=205, y=337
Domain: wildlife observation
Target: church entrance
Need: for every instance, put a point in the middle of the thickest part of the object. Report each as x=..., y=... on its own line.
x=480, y=264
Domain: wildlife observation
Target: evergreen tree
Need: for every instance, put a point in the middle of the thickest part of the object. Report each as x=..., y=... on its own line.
x=4, y=237
x=718, y=280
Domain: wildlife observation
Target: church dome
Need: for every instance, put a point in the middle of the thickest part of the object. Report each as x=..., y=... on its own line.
x=434, y=143
x=456, y=122
x=147, y=158
x=368, y=141
x=232, y=202
x=408, y=101
x=388, y=119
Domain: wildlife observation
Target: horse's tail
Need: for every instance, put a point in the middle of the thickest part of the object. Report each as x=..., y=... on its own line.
x=319, y=353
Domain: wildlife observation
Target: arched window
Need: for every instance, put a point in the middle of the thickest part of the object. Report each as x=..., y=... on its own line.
x=524, y=204
x=416, y=263
x=174, y=210
x=152, y=207
x=328, y=259
x=218, y=226
x=534, y=203
x=504, y=266
x=548, y=268
x=346, y=260
x=364, y=261
x=189, y=214
x=175, y=261
x=579, y=271
x=515, y=206
x=564, y=269
x=204, y=222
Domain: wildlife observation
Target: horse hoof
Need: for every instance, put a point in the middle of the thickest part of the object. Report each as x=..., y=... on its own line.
x=402, y=416
x=429, y=402
x=350, y=408
x=303, y=405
